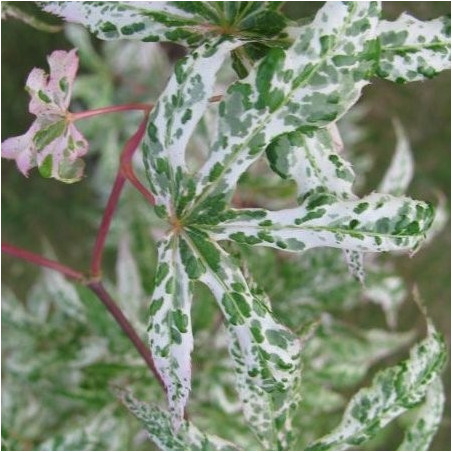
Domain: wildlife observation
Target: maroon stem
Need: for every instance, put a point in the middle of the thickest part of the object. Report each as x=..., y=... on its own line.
x=125, y=107
x=118, y=185
x=98, y=288
x=107, y=218
x=110, y=109
x=41, y=261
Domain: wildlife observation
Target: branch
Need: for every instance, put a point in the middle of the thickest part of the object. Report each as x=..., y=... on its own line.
x=111, y=109
x=98, y=288
x=118, y=185
x=42, y=261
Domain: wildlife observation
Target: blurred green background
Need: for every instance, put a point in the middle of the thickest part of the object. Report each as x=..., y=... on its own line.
x=34, y=208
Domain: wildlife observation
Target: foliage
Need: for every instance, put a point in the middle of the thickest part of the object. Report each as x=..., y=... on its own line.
x=278, y=360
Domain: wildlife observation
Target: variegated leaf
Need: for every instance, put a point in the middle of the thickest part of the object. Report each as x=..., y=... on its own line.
x=393, y=391
x=413, y=50
x=373, y=223
x=309, y=86
x=158, y=425
x=183, y=22
x=400, y=172
x=420, y=433
x=172, y=122
x=315, y=165
x=269, y=414
x=170, y=332
x=270, y=352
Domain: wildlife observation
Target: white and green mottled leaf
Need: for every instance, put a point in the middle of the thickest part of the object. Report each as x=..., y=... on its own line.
x=412, y=49
x=374, y=223
x=308, y=86
x=420, y=433
x=173, y=120
x=315, y=165
x=184, y=22
x=170, y=331
x=392, y=392
x=269, y=414
x=158, y=425
x=388, y=292
x=400, y=172
x=269, y=351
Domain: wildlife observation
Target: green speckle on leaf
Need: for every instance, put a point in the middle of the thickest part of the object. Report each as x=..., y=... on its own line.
x=45, y=169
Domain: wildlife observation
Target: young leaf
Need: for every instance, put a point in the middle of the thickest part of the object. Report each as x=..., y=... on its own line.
x=173, y=120
x=183, y=22
x=52, y=143
x=400, y=172
x=309, y=86
x=393, y=391
x=170, y=334
x=373, y=223
x=413, y=50
x=419, y=435
x=158, y=425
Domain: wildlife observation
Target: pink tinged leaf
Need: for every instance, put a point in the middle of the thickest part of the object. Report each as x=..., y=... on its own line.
x=63, y=69
x=41, y=102
x=22, y=149
x=50, y=94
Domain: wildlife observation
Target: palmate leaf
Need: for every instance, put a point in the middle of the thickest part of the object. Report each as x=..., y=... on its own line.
x=183, y=22
x=420, y=434
x=393, y=391
x=413, y=50
x=158, y=425
x=310, y=85
x=306, y=88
